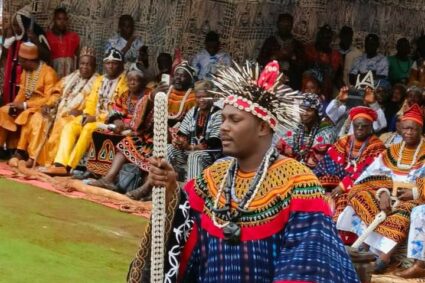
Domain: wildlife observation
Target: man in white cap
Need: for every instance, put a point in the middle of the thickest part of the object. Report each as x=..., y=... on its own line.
x=76, y=135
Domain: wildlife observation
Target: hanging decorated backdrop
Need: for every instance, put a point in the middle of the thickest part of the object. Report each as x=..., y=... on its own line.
x=242, y=24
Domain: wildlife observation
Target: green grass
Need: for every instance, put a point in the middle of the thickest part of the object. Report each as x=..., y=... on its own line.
x=46, y=237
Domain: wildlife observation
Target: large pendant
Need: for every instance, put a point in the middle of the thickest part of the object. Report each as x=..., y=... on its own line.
x=232, y=233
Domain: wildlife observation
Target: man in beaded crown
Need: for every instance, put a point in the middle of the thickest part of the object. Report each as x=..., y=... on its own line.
x=393, y=183
x=247, y=218
x=37, y=80
x=67, y=101
x=76, y=134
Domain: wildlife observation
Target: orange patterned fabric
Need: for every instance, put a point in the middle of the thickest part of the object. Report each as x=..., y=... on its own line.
x=286, y=179
x=362, y=196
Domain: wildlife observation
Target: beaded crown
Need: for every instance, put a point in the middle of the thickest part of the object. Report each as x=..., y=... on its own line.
x=263, y=95
x=87, y=51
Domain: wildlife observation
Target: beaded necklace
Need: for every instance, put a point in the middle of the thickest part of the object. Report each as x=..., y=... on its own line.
x=131, y=103
x=231, y=230
x=415, y=156
x=201, y=124
x=77, y=82
x=31, y=80
x=300, y=147
x=107, y=92
x=352, y=161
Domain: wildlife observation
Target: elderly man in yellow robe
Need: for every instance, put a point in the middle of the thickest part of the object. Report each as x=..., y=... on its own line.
x=76, y=135
x=37, y=80
x=67, y=101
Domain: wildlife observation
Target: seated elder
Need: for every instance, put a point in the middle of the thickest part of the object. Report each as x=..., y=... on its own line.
x=396, y=175
x=349, y=157
x=197, y=144
x=102, y=150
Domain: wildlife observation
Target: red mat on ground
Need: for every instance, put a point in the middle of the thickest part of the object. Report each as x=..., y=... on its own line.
x=7, y=172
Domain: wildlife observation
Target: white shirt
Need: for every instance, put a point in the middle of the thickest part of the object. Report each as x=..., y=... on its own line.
x=336, y=111
x=206, y=64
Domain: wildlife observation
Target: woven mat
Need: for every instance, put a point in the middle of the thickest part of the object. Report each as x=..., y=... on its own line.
x=71, y=188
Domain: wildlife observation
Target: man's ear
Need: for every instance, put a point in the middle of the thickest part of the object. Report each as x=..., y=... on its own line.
x=264, y=129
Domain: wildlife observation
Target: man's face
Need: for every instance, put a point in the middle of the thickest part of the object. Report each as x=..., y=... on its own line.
x=411, y=132
x=181, y=80
x=403, y=48
x=239, y=132
x=326, y=38
x=203, y=100
x=60, y=21
x=126, y=29
x=371, y=46
x=113, y=69
x=284, y=26
x=308, y=116
x=28, y=65
x=87, y=67
x=212, y=47
x=346, y=39
x=362, y=128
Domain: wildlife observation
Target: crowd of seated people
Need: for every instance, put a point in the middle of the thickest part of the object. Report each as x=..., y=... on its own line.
x=360, y=130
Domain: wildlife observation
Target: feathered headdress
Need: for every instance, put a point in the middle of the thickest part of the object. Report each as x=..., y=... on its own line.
x=263, y=95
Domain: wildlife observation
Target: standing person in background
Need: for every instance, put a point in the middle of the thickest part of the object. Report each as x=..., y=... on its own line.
x=164, y=62
x=126, y=41
x=371, y=60
x=285, y=49
x=348, y=52
x=323, y=59
x=400, y=63
x=144, y=65
x=64, y=44
x=206, y=62
x=17, y=33
x=417, y=71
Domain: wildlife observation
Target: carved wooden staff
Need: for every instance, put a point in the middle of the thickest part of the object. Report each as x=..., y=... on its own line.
x=158, y=194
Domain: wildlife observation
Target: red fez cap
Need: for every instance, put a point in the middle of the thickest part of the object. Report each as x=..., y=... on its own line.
x=414, y=113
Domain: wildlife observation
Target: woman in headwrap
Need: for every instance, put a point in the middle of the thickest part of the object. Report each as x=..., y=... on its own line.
x=314, y=135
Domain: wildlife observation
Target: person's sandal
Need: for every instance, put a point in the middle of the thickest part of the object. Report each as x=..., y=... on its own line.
x=139, y=193
x=54, y=171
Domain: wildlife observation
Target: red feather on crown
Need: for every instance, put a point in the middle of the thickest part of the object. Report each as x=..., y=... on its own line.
x=263, y=95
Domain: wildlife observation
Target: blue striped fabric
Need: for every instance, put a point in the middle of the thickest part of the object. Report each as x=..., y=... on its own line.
x=308, y=249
